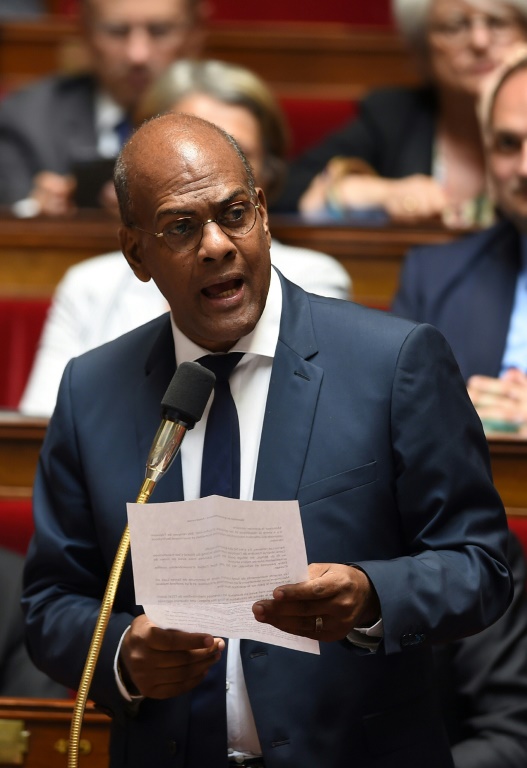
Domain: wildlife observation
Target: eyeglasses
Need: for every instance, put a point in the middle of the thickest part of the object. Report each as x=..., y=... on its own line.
x=456, y=32
x=184, y=234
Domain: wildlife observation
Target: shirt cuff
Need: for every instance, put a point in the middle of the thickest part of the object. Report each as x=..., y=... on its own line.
x=367, y=637
x=117, y=673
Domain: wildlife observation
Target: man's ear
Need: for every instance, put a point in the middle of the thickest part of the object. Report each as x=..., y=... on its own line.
x=131, y=248
x=263, y=213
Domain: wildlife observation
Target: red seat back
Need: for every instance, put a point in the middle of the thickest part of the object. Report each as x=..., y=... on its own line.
x=21, y=322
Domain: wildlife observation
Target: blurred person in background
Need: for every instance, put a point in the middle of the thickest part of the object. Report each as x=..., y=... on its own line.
x=416, y=154
x=18, y=674
x=60, y=121
x=21, y=9
x=475, y=289
x=100, y=298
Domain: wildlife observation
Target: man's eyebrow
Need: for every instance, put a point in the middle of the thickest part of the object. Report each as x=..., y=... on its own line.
x=238, y=194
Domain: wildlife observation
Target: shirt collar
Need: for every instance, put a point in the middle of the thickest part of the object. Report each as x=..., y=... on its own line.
x=107, y=112
x=524, y=252
x=261, y=341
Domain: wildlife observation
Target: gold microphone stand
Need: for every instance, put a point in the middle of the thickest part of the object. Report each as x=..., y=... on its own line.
x=165, y=446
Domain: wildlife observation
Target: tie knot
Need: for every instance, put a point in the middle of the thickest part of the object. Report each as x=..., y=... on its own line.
x=221, y=365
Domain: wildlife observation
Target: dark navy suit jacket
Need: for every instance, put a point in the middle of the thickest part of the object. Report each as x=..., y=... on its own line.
x=466, y=289
x=368, y=424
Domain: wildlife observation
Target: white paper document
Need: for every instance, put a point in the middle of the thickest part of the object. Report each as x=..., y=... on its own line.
x=200, y=565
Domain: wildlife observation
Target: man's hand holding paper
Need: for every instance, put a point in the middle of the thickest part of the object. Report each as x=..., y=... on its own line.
x=199, y=566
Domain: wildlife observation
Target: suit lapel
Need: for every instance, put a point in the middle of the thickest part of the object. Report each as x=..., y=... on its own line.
x=291, y=402
x=79, y=120
x=492, y=285
x=290, y=409
x=159, y=369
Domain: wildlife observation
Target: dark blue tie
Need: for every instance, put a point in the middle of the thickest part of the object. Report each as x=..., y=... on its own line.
x=220, y=474
x=123, y=129
x=220, y=469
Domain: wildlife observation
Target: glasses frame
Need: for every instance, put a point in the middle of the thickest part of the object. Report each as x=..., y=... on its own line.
x=256, y=206
x=448, y=37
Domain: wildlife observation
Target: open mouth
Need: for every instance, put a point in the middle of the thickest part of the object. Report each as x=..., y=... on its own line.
x=223, y=290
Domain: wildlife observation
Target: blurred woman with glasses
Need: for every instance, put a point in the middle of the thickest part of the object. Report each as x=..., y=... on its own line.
x=416, y=154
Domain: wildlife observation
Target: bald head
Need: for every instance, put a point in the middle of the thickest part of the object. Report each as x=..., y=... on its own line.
x=174, y=136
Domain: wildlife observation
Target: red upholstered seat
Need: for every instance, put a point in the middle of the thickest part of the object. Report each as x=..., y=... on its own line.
x=377, y=12
x=519, y=526
x=21, y=322
x=16, y=524
x=310, y=120
x=343, y=11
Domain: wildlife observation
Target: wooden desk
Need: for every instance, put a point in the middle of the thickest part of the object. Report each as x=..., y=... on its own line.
x=35, y=253
x=20, y=440
x=35, y=733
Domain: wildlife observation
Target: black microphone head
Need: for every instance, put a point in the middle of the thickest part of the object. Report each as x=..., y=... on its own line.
x=187, y=394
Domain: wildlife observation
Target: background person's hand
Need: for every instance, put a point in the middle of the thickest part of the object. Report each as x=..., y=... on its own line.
x=108, y=198
x=411, y=200
x=414, y=199
x=342, y=596
x=161, y=663
x=500, y=400
x=53, y=193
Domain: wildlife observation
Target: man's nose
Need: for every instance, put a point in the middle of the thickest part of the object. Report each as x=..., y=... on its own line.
x=215, y=244
x=139, y=46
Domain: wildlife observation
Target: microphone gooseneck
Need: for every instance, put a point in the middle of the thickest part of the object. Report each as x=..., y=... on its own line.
x=182, y=406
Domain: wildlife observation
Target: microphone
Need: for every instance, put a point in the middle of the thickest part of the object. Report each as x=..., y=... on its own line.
x=181, y=407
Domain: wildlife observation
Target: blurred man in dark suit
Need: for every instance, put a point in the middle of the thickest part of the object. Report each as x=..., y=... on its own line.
x=18, y=674
x=48, y=127
x=475, y=289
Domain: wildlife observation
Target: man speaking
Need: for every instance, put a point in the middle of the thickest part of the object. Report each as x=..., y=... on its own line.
x=362, y=417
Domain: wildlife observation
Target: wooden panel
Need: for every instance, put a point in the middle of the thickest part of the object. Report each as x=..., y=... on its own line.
x=31, y=49
x=509, y=467
x=319, y=60
x=373, y=257
x=20, y=442
x=44, y=725
x=34, y=254
x=21, y=437
x=324, y=60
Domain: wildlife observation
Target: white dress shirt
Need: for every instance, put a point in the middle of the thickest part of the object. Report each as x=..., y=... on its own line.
x=515, y=353
x=108, y=114
x=101, y=298
x=249, y=385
